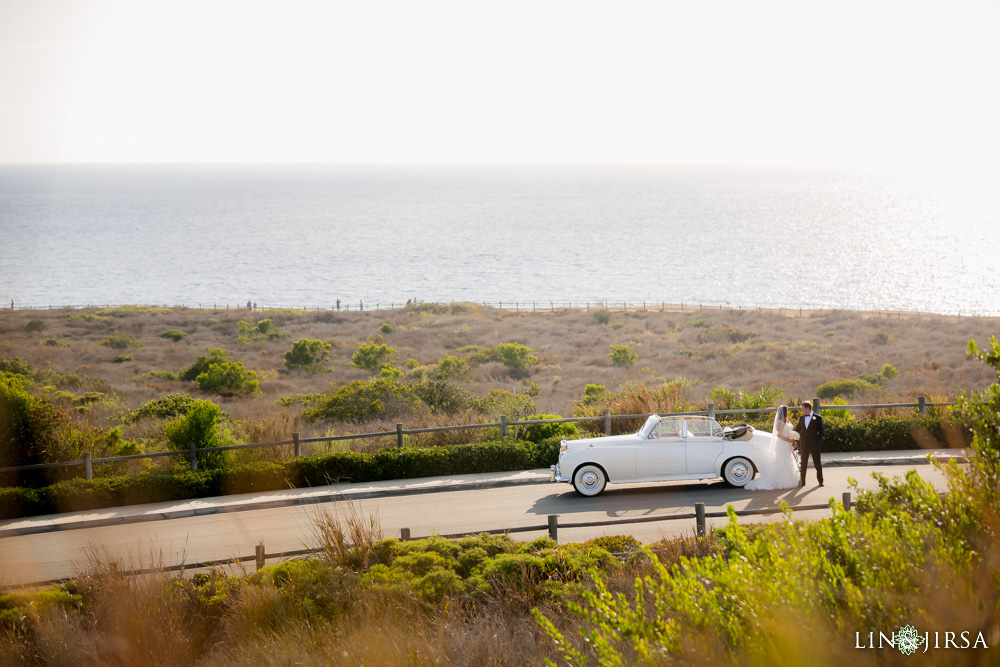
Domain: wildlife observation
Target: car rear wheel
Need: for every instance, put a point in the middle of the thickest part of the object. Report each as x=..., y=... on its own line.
x=589, y=479
x=737, y=471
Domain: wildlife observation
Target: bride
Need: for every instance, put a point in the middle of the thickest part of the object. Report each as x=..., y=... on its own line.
x=778, y=468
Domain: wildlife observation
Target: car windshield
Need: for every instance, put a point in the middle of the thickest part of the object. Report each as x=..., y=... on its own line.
x=649, y=426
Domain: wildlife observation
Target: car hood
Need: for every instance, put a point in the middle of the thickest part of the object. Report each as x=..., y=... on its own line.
x=611, y=440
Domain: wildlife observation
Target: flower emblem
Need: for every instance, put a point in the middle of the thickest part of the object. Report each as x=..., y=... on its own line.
x=908, y=640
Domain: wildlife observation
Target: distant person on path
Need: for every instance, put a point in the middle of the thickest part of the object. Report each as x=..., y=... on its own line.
x=777, y=467
x=338, y=304
x=12, y=304
x=361, y=305
x=249, y=307
x=810, y=430
x=255, y=305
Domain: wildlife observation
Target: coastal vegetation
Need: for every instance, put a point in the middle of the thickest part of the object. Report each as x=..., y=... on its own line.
x=464, y=365
x=790, y=592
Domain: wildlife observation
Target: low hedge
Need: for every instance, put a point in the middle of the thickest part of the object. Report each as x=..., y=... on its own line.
x=77, y=494
x=889, y=433
x=878, y=434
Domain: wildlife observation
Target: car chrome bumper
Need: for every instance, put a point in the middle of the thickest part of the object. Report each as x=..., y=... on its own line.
x=556, y=475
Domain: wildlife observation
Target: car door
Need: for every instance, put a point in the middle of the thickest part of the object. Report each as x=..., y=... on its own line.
x=704, y=444
x=662, y=453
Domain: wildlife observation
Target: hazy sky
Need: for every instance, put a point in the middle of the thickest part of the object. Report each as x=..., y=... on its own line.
x=858, y=83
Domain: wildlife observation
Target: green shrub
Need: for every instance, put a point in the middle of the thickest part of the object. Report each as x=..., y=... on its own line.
x=602, y=317
x=593, y=393
x=881, y=338
x=480, y=354
x=162, y=375
x=846, y=388
x=121, y=341
x=36, y=326
x=52, y=341
x=174, y=335
x=309, y=354
x=516, y=356
x=230, y=376
x=745, y=399
x=16, y=366
x=88, y=317
x=122, y=358
x=28, y=429
x=373, y=355
x=449, y=367
x=171, y=405
x=623, y=355
x=262, y=330
x=203, y=424
x=360, y=401
x=891, y=433
x=390, y=373
x=616, y=544
x=444, y=397
x=540, y=432
x=515, y=405
x=740, y=336
x=215, y=356
x=386, y=328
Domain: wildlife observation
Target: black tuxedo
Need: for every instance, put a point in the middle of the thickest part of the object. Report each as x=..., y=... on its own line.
x=810, y=440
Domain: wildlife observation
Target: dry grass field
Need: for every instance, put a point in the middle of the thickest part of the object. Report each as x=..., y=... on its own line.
x=710, y=347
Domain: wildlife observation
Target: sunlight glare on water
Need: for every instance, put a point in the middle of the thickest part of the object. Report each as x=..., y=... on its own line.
x=308, y=235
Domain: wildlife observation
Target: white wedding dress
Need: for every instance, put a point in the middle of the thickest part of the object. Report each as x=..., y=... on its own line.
x=778, y=469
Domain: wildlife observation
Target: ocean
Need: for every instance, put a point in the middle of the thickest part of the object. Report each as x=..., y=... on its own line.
x=308, y=235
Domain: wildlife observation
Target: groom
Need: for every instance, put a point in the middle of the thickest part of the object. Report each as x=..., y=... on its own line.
x=810, y=430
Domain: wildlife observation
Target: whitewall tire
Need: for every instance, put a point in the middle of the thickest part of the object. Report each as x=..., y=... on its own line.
x=589, y=479
x=737, y=471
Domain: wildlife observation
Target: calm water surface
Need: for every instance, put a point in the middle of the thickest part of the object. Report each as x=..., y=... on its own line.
x=308, y=235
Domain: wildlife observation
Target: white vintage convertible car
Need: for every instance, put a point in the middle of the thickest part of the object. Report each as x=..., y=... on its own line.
x=663, y=449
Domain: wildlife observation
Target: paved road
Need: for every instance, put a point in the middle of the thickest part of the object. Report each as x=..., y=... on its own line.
x=58, y=554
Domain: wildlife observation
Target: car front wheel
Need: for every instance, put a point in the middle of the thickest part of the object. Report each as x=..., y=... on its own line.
x=589, y=480
x=737, y=471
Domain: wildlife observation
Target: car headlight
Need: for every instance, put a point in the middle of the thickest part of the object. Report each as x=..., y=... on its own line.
x=563, y=446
